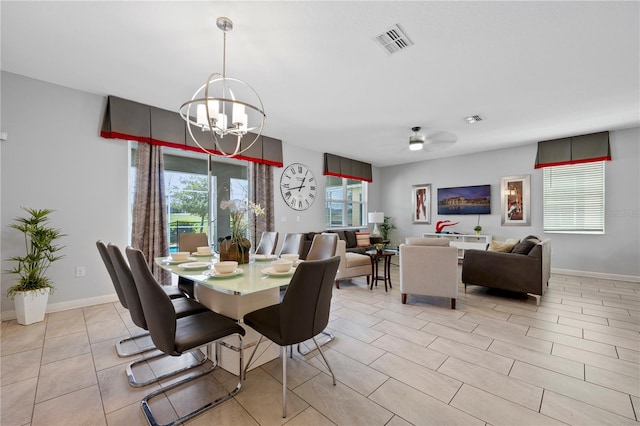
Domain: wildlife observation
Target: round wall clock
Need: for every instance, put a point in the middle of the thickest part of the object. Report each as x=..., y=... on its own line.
x=298, y=186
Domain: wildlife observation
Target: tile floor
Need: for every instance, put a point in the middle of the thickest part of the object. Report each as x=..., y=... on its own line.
x=497, y=359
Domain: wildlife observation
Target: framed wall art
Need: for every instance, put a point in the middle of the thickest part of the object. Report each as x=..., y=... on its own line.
x=515, y=193
x=421, y=202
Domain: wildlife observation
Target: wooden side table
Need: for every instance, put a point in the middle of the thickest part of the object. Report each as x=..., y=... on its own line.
x=375, y=257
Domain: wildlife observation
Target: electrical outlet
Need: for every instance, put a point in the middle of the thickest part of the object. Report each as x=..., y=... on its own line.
x=80, y=271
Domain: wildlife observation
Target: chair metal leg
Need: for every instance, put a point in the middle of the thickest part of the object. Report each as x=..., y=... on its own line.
x=325, y=361
x=123, y=354
x=246, y=368
x=146, y=409
x=199, y=359
x=284, y=381
x=330, y=337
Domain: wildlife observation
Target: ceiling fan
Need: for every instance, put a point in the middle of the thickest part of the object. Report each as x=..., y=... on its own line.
x=431, y=142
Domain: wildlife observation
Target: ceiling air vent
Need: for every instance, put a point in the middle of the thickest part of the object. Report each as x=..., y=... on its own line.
x=393, y=40
x=474, y=118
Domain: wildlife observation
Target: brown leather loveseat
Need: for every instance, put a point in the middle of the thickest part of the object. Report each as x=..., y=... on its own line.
x=525, y=269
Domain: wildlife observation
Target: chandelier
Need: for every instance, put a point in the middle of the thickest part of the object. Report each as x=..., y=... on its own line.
x=224, y=109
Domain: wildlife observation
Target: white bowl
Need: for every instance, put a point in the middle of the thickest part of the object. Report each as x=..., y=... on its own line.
x=225, y=267
x=180, y=255
x=291, y=257
x=282, y=265
x=204, y=250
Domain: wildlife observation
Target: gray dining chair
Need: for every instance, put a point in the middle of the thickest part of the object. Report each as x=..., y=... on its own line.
x=268, y=243
x=183, y=307
x=175, y=336
x=292, y=244
x=302, y=314
x=190, y=243
x=172, y=292
x=323, y=246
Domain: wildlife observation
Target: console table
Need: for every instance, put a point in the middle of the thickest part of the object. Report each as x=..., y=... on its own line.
x=463, y=241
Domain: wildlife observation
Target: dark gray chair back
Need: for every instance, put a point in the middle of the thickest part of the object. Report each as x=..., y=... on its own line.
x=104, y=254
x=292, y=244
x=268, y=243
x=158, y=309
x=323, y=246
x=304, y=311
x=128, y=286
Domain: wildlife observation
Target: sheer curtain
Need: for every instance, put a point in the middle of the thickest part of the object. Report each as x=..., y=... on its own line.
x=260, y=192
x=149, y=230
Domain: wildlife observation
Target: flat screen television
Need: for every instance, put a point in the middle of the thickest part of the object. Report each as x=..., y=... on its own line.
x=465, y=200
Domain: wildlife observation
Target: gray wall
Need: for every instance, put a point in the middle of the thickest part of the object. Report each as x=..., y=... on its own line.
x=54, y=158
x=617, y=252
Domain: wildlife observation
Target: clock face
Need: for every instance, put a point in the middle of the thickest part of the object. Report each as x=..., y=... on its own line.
x=298, y=186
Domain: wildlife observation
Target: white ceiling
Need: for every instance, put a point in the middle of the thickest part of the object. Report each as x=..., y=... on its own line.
x=534, y=70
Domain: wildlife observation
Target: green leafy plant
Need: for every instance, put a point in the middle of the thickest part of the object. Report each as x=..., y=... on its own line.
x=477, y=228
x=386, y=227
x=41, y=252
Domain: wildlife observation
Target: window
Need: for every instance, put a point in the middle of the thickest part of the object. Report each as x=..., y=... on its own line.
x=346, y=202
x=574, y=198
x=193, y=194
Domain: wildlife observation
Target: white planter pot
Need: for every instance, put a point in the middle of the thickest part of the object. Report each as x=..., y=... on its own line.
x=31, y=305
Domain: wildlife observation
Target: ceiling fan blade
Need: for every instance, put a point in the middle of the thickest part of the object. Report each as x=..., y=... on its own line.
x=439, y=140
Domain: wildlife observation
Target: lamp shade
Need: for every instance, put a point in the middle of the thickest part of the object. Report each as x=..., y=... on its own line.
x=376, y=217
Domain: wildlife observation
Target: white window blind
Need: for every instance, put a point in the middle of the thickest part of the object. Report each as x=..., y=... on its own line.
x=574, y=198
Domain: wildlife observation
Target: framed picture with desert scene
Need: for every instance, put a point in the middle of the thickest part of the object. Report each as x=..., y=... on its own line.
x=421, y=203
x=516, y=200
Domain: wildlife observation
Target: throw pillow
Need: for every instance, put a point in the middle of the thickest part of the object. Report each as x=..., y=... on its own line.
x=350, y=239
x=524, y=246
x=503, y=246
x=363, y=239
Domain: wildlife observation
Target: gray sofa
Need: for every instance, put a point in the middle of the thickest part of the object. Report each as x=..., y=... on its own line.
x=526, y=269
x=348, y=235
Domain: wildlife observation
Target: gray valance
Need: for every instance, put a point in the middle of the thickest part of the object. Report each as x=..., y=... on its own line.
x=574, y=150
x=129, y=120
x=335, y=165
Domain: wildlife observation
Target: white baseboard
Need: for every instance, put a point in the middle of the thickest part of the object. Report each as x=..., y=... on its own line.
x=72, y=304
x=601, y=275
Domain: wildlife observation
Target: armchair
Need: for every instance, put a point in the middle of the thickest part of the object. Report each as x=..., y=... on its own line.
x=351, y=264
x=429, y=267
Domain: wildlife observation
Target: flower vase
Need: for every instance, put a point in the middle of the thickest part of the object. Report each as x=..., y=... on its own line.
x=235, y=250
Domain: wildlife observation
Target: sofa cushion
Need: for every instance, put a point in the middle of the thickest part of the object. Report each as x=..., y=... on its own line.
x=350, y=238
x=362, y=239
x=524, y=246
x=354, y=259
x=503, y=246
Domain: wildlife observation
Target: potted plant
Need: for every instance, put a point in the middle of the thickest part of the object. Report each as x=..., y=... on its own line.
x=379, y=247
x=236, y=246
x=386, y=227
x=31, y=293
x=478, y=228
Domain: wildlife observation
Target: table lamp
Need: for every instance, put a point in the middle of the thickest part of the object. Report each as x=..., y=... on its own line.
x=376, y=218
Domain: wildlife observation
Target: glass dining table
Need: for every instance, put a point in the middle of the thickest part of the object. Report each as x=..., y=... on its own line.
x=252, y=286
